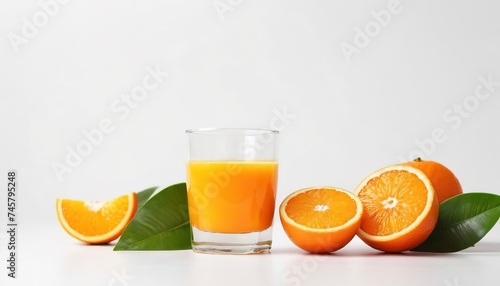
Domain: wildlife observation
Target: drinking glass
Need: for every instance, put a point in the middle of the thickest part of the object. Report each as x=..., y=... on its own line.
x=232, y=176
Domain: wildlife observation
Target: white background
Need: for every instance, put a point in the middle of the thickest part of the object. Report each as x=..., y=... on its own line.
x=262, y=64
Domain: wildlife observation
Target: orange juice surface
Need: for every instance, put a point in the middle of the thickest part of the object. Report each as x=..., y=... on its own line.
x=231, y=197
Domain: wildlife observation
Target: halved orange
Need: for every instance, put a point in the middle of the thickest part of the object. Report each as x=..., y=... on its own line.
x=400, y=208
x=321, y=219
x=96, y=222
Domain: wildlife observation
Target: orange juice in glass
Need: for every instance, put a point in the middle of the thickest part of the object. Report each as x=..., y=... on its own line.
x=232, y=179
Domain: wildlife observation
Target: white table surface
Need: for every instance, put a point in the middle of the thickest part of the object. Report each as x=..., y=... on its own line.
x=48, y=256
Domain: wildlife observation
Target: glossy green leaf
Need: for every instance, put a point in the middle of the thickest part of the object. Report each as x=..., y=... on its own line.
x=161, y=224
x=463, y=221
x=143, y=196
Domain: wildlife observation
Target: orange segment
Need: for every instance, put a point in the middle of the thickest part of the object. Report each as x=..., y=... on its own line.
x=96, y=222
x=401, y=208
x=321, y=219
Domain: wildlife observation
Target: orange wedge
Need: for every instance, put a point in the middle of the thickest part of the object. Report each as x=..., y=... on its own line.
x=321, y=219
x=96, y=222
x=400, y=208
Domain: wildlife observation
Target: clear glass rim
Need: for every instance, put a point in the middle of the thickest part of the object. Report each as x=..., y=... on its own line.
x=248, y=131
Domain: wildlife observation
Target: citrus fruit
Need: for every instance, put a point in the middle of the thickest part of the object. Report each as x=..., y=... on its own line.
x=96, y=222
x=321, y=219
x=443, y=180
x=400, y=208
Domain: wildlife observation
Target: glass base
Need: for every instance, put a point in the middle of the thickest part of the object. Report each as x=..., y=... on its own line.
x=231, y=243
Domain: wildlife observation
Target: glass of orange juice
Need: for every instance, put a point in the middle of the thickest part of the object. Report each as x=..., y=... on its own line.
x=232, y=178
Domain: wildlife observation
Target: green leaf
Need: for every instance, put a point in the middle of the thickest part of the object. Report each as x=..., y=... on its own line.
x=144, y=195
x=463, y=221
x=161, y=224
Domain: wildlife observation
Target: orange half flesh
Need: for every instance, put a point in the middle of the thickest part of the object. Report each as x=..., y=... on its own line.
x=401, y=208
x=321, y=219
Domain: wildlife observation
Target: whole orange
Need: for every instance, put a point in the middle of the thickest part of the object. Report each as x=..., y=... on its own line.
x=443, y=180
